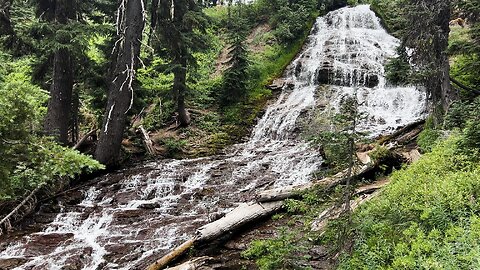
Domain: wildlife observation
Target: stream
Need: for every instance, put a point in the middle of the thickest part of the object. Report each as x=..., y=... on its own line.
x=130, y=218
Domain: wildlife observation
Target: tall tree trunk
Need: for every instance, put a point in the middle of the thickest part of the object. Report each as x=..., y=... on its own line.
x=180, y=61
x=6, y=28
x=442, y=93
x=448, y=94
x=59, y=106
x=129, y=29
x=153, y=20
x=180, y=88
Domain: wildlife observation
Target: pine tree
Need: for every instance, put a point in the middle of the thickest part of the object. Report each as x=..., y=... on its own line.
x=59, y=106
x=427, y=31
x=182, y=32
x=235, y=82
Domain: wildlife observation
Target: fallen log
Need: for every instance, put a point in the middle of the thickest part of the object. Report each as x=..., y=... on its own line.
x=243, y=214
x=6, y=222
x=399, y=134
x=192, y=264
x=147, y=141
x=84, y=138
x=165, y=260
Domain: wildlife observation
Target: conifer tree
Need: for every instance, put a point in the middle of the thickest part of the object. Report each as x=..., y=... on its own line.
x=427, y=31
x=59, y=105
x=235, y=82
x=182, y=30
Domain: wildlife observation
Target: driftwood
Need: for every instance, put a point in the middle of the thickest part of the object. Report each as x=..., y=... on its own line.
x=165, y=260
x=6, y=221
x=192, y=264
x=243, y=214
x=147, y=141
x=84, y=138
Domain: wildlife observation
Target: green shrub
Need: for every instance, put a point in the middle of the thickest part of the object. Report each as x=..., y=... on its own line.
x=279, y=253
x=29, y=159
x=428, y=139
x=174, y=147
x=427, y=218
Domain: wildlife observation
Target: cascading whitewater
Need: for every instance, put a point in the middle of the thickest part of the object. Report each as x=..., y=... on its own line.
x=130, y=218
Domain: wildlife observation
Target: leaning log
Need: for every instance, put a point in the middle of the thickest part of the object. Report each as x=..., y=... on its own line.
x=464, y=87
x=243, y=214
x=177, y=252
x=84, y=138
x=333, y=212
x=6, y=222
x=147, y=141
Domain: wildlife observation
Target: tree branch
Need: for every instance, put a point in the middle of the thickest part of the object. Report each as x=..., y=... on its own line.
x=464, y=87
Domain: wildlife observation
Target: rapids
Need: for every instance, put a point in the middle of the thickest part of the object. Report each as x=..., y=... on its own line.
x=132, y=217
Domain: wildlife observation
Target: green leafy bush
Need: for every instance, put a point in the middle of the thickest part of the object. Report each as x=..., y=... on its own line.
x=428, y=138
x=174, y=147
x=28, y=159
x=279, y=253
x=427, y=218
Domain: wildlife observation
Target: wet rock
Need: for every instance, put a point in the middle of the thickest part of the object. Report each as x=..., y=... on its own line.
x=41, y=243
x=12, y=263
x=279, y=84
x=45, y=218
x=372, y=81
x=234, y=245
x=325, y=73
x=149, y=206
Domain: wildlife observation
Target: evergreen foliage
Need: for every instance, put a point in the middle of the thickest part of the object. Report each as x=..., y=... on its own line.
x=28, y=158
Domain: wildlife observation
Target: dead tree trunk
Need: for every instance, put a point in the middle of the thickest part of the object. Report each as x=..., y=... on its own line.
x=147, y=141
x=130, y=26
x=59, y=106
x=24, y=206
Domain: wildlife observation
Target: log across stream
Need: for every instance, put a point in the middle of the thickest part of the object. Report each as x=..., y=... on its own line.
x=131, y=218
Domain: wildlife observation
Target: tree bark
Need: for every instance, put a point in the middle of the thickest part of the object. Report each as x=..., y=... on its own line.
x=180, y=88
x=6, y=28
x=147, y=141
x=153, y=20
x=120, y=97
x=180, y=62
x=59, y=106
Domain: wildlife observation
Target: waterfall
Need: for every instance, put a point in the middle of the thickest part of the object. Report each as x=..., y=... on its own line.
x=134, y=216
